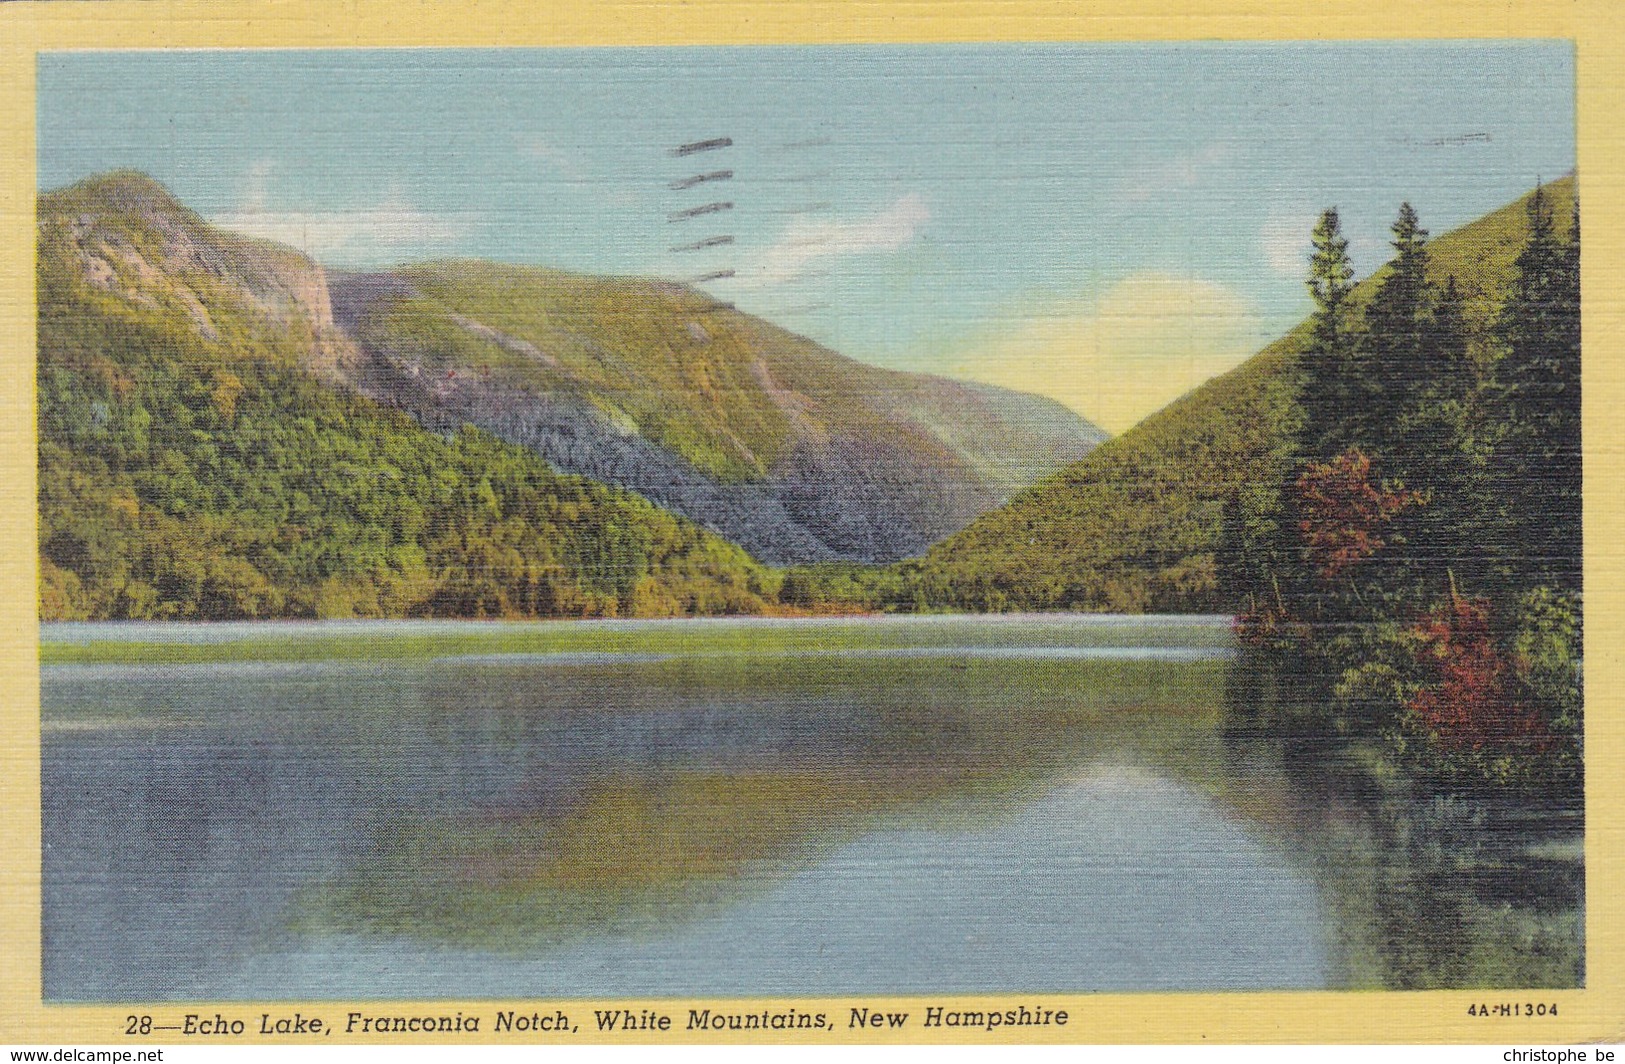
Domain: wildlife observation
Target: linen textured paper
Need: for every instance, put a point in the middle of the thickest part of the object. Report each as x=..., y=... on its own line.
x=674, y=533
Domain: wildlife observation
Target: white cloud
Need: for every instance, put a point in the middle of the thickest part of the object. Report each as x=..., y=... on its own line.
x=1285, y=243
x=369, y=234
x=806, y=241
x=1172, y=175
x=537, y=147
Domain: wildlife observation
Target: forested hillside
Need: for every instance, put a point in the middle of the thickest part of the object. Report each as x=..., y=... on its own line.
x=1411, y=578
x=226, y=430
x=1136, y=524
x=779, y=444
x=198, y=460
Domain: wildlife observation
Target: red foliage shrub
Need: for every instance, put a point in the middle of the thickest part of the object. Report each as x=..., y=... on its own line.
x=1343, y=512
x=1472, y=704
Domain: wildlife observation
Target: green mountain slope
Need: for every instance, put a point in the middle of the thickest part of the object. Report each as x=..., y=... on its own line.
x=198, y=457
x=1134, y=525
x=784, y=446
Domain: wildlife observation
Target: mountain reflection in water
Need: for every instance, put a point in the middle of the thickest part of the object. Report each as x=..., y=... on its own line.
x=894, y=805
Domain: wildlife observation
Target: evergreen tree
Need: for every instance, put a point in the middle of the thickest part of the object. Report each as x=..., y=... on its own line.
x=1328, y=372
x=1449, y=377
x=1374, y=616
x=1258, y=541
x=1391, y=358
x=1536, y=393
x=1439, y=458
x=1566, y=444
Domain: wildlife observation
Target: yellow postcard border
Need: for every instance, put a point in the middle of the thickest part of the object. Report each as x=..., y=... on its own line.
x=1597, y=28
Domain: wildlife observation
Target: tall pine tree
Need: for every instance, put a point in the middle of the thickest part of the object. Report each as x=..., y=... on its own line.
x=1329, y=377
x=1391, y=358
x=1536, y=389
x=1438, y=458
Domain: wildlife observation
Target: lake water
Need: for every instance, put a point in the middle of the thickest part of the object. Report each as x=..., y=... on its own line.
x=810, y=807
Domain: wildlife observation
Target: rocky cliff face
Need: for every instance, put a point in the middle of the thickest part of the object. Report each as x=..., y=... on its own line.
x=784, y=447
x=131, y=240
x=787, y=448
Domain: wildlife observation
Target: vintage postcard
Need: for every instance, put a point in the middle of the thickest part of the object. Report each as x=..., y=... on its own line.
x=989, y=526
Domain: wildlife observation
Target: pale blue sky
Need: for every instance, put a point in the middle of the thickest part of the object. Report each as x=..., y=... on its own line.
x=1100, y=210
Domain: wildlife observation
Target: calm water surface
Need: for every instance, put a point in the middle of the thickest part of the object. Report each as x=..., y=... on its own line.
x=690, y=808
